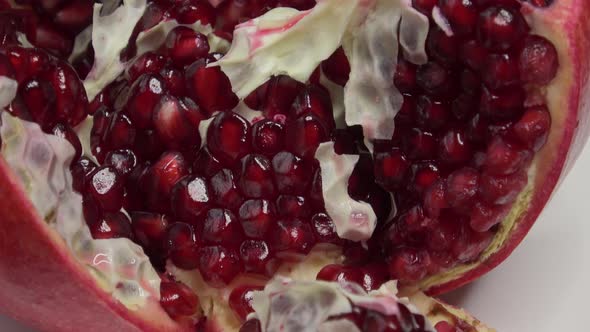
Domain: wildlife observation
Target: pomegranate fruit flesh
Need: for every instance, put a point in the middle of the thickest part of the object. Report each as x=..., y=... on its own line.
x=250, y=165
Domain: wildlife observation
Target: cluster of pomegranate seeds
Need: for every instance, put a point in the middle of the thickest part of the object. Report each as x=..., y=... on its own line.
x=464, y=137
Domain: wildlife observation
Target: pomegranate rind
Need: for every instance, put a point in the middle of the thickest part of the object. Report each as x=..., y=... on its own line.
x=566, y=25
x=42, y=283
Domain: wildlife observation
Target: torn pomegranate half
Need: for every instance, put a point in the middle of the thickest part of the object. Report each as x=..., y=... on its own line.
x=276, y=165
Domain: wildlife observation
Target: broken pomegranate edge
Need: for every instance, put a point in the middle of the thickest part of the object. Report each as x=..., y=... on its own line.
x=45, y=286
x=561, y=24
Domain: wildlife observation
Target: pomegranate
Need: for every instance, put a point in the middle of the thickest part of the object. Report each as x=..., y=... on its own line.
x=255, y=165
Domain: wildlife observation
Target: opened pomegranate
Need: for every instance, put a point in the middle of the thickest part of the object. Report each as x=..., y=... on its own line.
x=255, y=165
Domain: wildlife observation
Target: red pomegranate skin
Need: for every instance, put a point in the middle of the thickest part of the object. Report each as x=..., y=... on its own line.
x=45, y=286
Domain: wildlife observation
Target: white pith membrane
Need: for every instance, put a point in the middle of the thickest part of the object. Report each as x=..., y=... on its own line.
x=113, y=260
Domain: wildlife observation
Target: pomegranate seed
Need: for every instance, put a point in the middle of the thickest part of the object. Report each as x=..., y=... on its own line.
x=291, y=174
x=441, y=47
x=462, y=187
x=464, y=105
x=256, y=216
x=182, y=246
x=408, y=264
x=44, y=35
x=255, y=254
x=391, y=168
x=177, y=299
x=220, y=225
x=81, y=170
x=430, y=114
x=255, y=178
x=240, y=300
x=305, y=134
x=293, y=206
x=444, y=326
x=483, y=217
x=112, y=226
x=414, y=219
x=189, y=13
x=184, y=46
x=404, y=78
x=461, y=14
x=218, y=265
x=336, y=67
x=148, y=145
x=121, y=133
x=538, y=60
x=267, y=137
x=419, y=144
x=503, y=158
x=74, y=16
x=39, y=100
x=473, y=54
x=434, y=79
x=190, y=198
x=149, y=228
x=374, y=276
x=144, y=95
x=105, y=187
x=502, y=190
x=423, y=176
x=500, y=71
x=533, y=128
x=292, y=235
x=210, y=88
x=163, y=176
x=252, y=325
x=454, y=148
x=124, y=161
x=340, y=274
x=324, y=228
x=424, y=6
x=174, y=80
x=502, y=104
x=499, y=28
x=228, y=137
x=224, y=190
x=205, y=163
x=314, y=99
x=435, y=199
x=471, y=245
x=147, y=63
x=176, y=121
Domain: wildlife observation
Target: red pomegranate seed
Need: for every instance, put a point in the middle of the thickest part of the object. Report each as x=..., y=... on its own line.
x=255, y=177
x=336, y=67
x=144, y=95
x=218, y=265
x=423, y=176
x=430, y=114
x=205, y=164
x=414, y=219
x=228, y=137
x=191, y=12
x=240, y=300
x=147, y=63
x=391, y=168
x=462, y=187
x=124, y=161
x=71, y=104
x=177, y=299
x=305, y=134
x=256, y=216
x=444, y=326
x=182, y=246
x=538, y=60
x=473, y=54
x=408, y=264
x=66, y=132
x=190, y=199
x=293, y=206
x=267, y=137
x=434, y=79
x=324, y=228
x=374, y=275
x=149, y=228
x=454, y=148
x=442, y=47
x=121, y=133
x=461, y=14
x=502, y=104
x=105, y=187
x=500, y=189
x=252, y=325
x=176, y=121
x=420, y=144
x=341, y=274
x=499, y=28
x=291, y=173
x=112, y=226
x=424, y=6
x=74, y=16
x=442, y=237
x=314, y=99
x=210, y=88
x=533, y=127
x=148, y=145
x=39, y=100
x=81, y=169
x=503, y=158
x=292, y=235
x=44, y=35
x=404, y=78
x=471, y=244
x=483, y=216
x=174, y=80
x=435, y=199
x=500, y=71
x=221, y=226
x=184, y=46
x=224, y=190
x=255, y=255
x=464, y=105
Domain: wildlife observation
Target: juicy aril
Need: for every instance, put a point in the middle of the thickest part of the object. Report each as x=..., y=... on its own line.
x=193, y=165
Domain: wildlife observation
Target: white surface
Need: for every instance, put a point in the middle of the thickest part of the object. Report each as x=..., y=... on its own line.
x=543, y=286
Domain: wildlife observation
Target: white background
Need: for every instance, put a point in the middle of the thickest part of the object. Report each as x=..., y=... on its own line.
x=545, y=285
